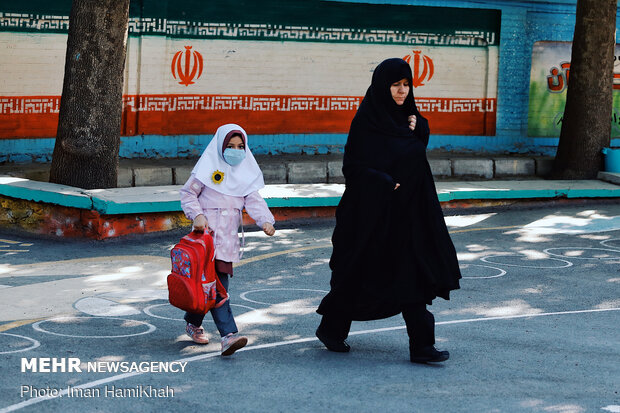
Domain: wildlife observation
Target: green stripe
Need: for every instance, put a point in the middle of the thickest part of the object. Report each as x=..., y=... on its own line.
x=74, y=197
x=107, y=207
x=302, y=202
x=309, y=20
x=529, y=194
x=52, y=7
x=317, y=13
x=47, y=193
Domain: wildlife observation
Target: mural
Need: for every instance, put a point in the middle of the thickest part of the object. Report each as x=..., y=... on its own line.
x=276, y=67
x=548, y=82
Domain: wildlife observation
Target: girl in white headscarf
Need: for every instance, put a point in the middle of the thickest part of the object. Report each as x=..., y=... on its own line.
x=225, y=180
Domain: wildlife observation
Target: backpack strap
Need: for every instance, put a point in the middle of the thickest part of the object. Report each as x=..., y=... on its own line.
x=221, y=291
x=219, y=287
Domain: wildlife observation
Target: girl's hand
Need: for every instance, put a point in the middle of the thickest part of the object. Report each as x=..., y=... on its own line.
x=200, y=223
x=396, y=187
x=269, y=229
x=412, y=121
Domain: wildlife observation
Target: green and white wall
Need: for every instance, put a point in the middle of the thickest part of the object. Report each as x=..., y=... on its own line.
x=291, y=72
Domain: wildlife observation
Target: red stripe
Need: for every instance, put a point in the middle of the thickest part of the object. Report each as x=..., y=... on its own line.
x=37, y=116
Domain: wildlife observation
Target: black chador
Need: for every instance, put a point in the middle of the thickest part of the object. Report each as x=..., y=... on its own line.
x=391, y=247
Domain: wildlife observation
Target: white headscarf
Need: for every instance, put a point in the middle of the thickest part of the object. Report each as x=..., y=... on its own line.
x=213, y=171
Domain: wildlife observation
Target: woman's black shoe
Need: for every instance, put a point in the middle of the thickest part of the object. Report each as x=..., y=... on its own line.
x=339, y=346
x=428, y=354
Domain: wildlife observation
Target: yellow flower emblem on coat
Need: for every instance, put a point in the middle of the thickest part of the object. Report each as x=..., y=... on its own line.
x=217, y=177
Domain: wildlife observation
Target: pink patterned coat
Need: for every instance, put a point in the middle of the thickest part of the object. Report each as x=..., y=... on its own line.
x=224, y=214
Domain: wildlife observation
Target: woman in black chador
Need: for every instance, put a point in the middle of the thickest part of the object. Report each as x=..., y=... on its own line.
x=392, y=251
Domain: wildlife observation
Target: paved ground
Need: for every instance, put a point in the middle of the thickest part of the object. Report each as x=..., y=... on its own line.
x=533, y=329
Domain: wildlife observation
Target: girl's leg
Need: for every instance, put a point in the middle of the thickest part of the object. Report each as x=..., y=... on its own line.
x=194, y=328
x=222, y=316
x=195, y=319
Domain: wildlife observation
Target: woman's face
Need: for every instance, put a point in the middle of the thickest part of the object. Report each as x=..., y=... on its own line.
x=400, y=90
x=235, y=143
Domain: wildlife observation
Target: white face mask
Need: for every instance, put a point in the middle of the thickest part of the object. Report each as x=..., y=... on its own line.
x=234, y=157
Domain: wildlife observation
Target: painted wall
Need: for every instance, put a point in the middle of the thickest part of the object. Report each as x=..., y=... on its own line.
x=292, y=73
x=549, y=80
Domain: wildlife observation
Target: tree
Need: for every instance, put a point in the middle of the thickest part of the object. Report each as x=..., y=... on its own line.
x=88, y=137
x=586, y=125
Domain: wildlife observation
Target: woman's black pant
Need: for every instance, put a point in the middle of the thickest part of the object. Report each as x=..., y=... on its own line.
x=420, y=326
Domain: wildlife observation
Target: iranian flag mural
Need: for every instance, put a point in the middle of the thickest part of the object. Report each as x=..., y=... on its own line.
x=548, y=82
x=276, y=67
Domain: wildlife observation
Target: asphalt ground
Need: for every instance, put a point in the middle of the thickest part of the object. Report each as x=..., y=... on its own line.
x=534, y=328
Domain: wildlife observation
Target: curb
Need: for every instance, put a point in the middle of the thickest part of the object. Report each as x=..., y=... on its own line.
x=306, y=169
x=63, y=211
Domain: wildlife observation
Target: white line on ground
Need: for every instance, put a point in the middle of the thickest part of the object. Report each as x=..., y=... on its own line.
x=501, y=271
x=244, y=296
x=510, y=254
x=149, y=310
x=206, y=356
x=37, y=326
x=605, y=242
x=34, y=342
x=577, y=250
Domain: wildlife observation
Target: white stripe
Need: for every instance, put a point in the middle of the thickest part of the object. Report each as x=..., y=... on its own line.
x=200, y=357
x=35, y=66
x=32, y=64
x=305, y=68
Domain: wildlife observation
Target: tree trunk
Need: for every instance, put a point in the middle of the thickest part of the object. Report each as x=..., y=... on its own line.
x=586, y=126
x=89, y=125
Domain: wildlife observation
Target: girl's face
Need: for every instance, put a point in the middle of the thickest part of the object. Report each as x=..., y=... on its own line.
x=235, y=143
x=400, y=90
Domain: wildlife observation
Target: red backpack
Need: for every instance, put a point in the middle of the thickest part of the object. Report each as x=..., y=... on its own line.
x=193, y=284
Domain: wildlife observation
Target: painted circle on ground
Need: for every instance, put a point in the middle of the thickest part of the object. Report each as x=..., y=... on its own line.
x=149, y=310
x=244, y=295
x=68, y=321
x=488, y=261
x=501, y=271
x=606, y=243
x=616, y=254
x=139, y=295
x=34, y=344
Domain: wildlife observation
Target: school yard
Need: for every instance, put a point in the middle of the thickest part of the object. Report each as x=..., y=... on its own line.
x=534, y=327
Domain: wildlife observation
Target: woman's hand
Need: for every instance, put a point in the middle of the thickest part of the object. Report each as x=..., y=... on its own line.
x=412, y=121
x=269, y=229
x=200, y=223
x=396, y=187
